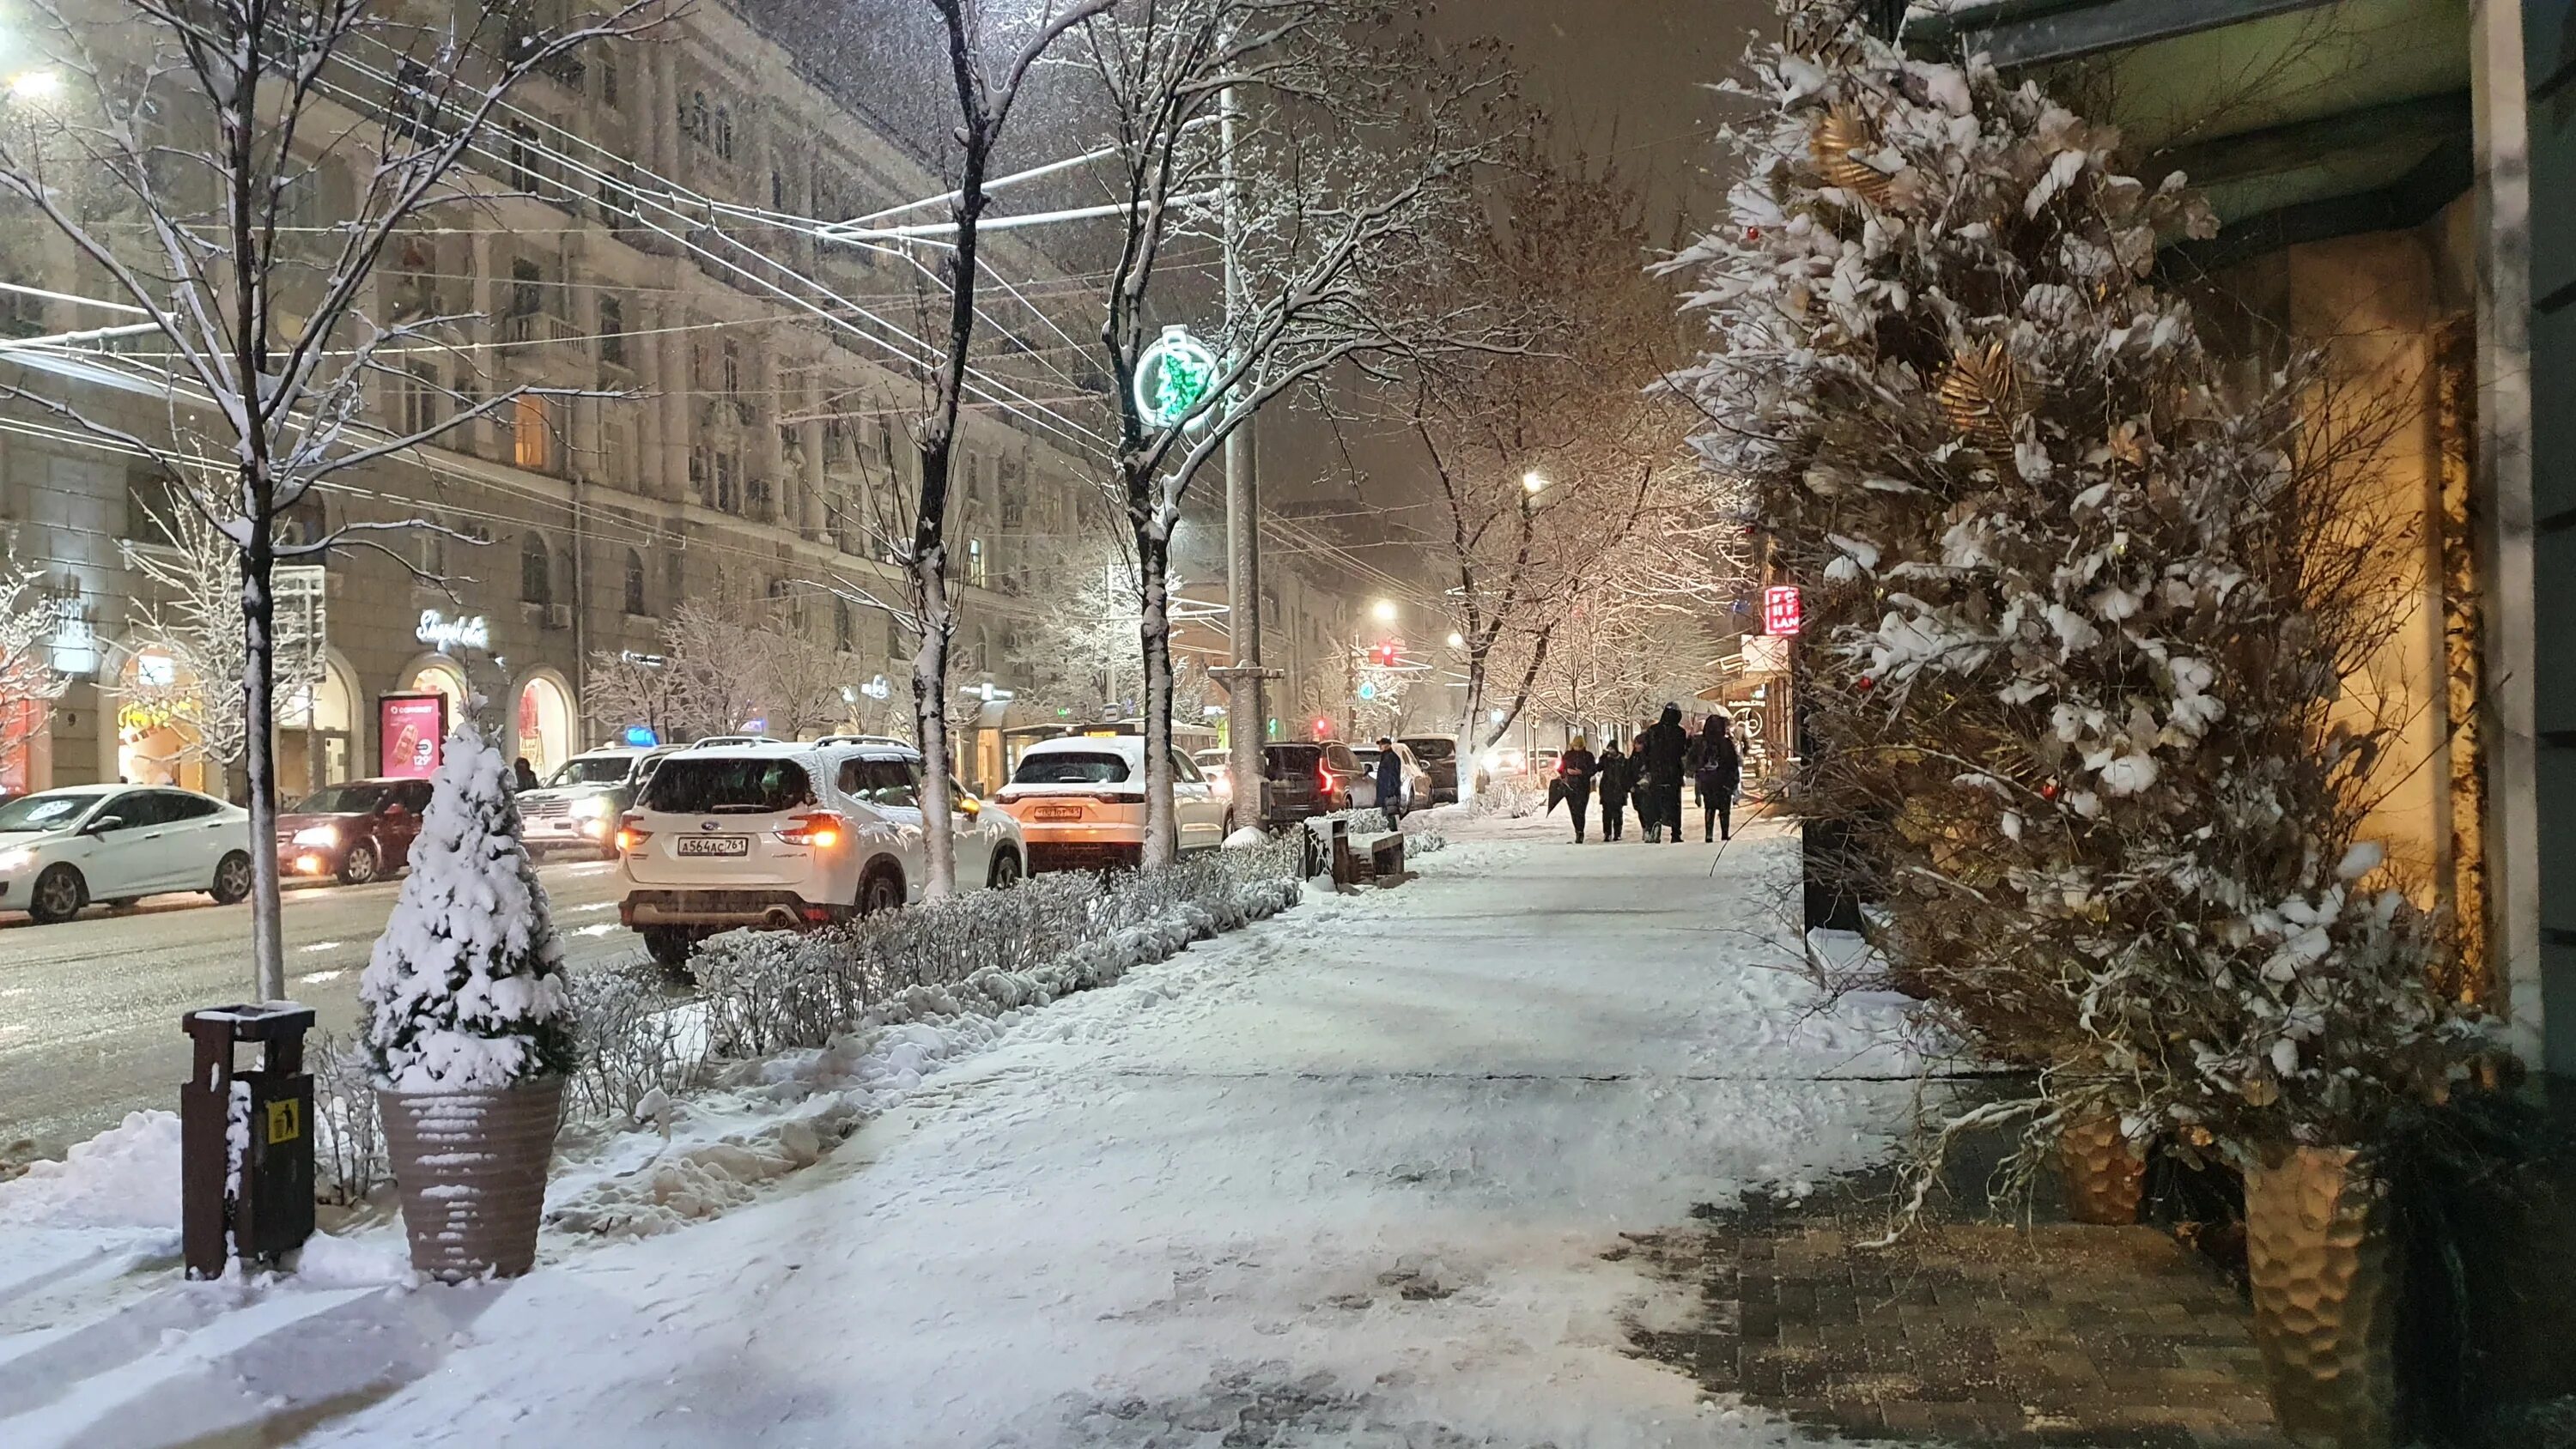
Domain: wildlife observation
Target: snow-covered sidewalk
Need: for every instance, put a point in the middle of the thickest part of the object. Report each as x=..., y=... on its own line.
x=1346, y=1177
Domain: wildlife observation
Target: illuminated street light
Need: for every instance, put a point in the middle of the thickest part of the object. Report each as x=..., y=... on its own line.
x=1386, y=611
x=35, y=85
x=1532, y=482
x=1457, y=641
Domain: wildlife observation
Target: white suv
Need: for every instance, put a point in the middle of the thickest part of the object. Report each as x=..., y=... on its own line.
x=789, y=836
x=1080, y=802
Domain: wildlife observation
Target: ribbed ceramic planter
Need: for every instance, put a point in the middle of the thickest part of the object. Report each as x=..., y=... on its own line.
x=471, y=1168
x=2325, y=1302
x=2105, y=1177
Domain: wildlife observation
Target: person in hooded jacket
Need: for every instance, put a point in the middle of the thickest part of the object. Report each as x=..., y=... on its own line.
x=1666, y=746
x=1390, y=783
x=1718, y=768
x=1574, y=770
x=1614, y=779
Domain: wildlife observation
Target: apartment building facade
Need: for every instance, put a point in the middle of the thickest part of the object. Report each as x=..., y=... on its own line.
x=744, y=433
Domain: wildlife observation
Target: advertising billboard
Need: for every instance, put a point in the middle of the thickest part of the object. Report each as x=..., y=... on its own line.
x=411, y=729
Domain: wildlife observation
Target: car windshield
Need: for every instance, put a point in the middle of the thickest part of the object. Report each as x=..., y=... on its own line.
x=342, y=800
x=715, y=785
x=1430, y=750
x=49, y=811
x=593, y=770
x=1069, y=768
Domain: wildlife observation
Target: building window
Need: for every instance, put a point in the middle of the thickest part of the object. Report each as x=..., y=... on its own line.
x=521, y=154
x=728, y=484
x=608, y=76
x=975, y=571
x=693, y=116
x=635, y=583
x=417, y=386
x=612, y=329
x=845, y=633
x=532, y=438
x=836, y=440
x=724, y=134
x=536, y=572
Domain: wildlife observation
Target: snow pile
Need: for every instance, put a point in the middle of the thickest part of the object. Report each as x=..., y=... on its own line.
x=466, y=988
x=125, y=1177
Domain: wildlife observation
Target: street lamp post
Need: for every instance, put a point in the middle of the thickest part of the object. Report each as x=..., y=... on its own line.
x=1243, y=708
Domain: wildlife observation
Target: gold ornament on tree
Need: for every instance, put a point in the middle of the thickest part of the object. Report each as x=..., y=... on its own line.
x=1979, y=393
x=1839, y=137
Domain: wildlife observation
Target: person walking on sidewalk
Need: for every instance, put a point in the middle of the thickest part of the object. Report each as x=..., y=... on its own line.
x=1390, y=783
x=1718, y=768
x=1574, y=770
x=1666, y=747
x=1613, y=778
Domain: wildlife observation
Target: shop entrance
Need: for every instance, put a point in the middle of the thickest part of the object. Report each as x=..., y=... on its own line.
x=544, y=725
x=315, y=741
x=157, y=740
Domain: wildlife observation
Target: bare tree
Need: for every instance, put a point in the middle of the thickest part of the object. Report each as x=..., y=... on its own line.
x=986, y=93
x=196, y=156
x=186, y=623
x=725, y=662
x=1326, y=160
x=29, y=683
x=1561, y=478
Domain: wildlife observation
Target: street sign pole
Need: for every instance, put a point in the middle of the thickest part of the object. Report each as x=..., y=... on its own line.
x=1243, y=707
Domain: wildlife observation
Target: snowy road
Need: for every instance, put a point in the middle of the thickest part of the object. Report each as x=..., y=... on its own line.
x=89, y=1010
x=1345, y=1178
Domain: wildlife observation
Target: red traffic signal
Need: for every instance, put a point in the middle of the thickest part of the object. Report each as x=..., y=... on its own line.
x=1388, y=654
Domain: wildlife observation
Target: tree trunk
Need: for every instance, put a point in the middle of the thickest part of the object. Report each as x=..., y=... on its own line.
x=930, y=716
x=1153, y=568
x=259, y=665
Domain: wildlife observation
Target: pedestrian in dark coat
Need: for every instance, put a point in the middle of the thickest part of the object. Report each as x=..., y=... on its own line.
x=1613, y=777
x=1390, y=783
x=1574, y=771
x=1718, y=768
x=1666, y=746
x=523, y=776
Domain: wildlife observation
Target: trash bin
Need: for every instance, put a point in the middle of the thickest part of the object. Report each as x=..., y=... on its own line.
x=245, y=1138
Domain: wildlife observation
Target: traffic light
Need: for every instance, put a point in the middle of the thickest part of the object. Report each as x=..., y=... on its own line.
x=1387, y=654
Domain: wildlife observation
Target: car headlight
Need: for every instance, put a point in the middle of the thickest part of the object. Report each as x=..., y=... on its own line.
x=595, y=805
x=14, y=861
x=322, y=835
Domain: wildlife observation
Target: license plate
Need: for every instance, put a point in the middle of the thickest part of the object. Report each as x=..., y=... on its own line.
x=713, y=845
x=1056, y=812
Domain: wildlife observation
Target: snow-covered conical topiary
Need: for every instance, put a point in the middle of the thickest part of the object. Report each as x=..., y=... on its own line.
x=467, y=989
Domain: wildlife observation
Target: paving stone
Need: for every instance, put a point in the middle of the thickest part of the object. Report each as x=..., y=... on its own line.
x=2020, y=1336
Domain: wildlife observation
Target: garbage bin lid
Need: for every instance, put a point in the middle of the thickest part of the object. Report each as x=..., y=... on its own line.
x=249, y=1022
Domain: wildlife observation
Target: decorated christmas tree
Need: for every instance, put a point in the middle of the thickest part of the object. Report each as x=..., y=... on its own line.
x=2085, y=594
x=466, y=989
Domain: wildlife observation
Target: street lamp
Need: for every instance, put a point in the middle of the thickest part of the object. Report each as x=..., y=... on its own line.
x=1385, y=611
x=1457, y=640
x=1531, y=482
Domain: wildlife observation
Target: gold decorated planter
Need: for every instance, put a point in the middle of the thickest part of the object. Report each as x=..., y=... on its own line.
x=2105, y=1177
x=2325, y=1302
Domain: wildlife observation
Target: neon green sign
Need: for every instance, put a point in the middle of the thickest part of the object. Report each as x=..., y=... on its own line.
x=1173, y=377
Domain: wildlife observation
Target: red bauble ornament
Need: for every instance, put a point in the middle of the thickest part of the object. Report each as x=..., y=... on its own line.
x=1752, y=234
x=1864, y=684
x=2048, y=791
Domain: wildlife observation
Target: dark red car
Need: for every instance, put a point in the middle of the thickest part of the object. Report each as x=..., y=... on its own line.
x=356, y=831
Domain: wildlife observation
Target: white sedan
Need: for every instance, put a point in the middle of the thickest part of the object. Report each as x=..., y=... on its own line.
x=62, y=849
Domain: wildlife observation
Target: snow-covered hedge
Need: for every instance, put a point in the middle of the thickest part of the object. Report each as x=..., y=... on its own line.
x=982, y=952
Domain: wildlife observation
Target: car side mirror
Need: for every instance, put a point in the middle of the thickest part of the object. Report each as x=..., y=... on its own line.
x=971, y=806
x=104, y=824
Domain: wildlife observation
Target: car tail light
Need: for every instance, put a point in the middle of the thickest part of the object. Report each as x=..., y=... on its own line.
x=631, y=834
x=1007, y=797
x=821, y=830
x=1324, y=778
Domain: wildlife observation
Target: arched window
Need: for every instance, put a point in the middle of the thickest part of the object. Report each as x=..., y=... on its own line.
x=845, y=632
x=635, y=583
x=536, y=571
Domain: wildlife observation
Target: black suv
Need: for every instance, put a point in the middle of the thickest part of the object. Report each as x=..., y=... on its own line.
x=1438, y=756
x=1307, y=778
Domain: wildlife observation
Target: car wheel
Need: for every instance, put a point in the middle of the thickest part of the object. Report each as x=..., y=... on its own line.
x=1005, y=872
x=59, y=895
x=359, y=866
x=232, y=879
x=669, y=946
x=881, y=891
